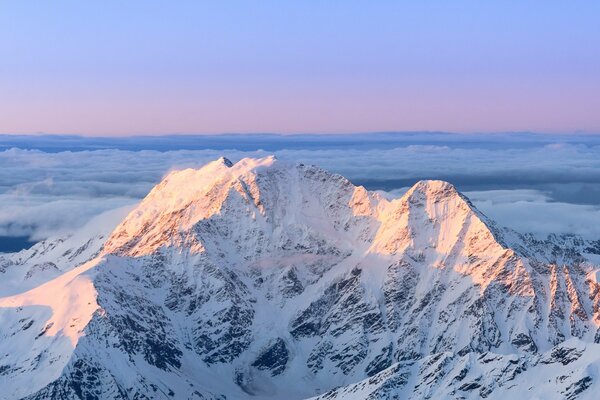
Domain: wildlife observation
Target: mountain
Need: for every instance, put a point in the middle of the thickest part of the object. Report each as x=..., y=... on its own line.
x=268, y=280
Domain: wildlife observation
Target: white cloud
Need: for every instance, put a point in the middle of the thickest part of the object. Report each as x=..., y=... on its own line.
x=494, y=197
x=47, y=193
x=530, y=212
x=42, y=216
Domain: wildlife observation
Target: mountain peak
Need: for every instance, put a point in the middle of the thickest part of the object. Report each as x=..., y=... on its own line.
x=433, y=184
x=431, y=192
x=161, y=214
x=225, y=161
x=166, y=216
x=433, y=189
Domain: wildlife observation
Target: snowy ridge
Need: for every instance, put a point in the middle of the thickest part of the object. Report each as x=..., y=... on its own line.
x=265, y=279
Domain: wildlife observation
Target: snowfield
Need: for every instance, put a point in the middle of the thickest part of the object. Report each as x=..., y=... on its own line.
x=271, y=280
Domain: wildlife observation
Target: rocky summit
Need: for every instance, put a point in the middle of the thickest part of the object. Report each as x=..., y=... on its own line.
x=265, y=279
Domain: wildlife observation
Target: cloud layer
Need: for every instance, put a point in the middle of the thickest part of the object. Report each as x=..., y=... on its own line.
x=543, y=188
x=533, y=211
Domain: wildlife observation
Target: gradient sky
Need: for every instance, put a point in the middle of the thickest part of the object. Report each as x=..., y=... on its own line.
x=156, y=67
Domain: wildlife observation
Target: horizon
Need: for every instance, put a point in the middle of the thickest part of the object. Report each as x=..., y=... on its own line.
x=279, y=141
x=308, y=134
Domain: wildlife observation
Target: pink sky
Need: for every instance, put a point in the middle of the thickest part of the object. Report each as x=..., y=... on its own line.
x=126, y=69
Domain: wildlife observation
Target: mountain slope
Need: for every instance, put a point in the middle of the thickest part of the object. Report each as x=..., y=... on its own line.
x=264, y=279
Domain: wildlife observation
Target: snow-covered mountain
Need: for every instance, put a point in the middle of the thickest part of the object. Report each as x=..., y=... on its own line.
x=270, y=280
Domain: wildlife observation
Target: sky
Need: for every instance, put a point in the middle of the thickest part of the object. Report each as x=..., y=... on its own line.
x=115, y=68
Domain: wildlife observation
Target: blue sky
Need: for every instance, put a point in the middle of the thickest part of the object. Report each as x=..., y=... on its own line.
x=159, y=67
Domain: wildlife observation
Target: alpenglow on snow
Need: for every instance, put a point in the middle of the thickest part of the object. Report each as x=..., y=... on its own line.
x=266, y=279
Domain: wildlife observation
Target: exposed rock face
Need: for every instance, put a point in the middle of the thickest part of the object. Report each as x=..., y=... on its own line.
x=264, y=279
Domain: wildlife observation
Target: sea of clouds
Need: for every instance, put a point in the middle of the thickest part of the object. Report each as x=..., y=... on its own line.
x=539, y=186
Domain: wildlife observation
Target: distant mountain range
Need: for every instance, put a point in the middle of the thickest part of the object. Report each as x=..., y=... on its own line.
x=267, y=279
x=273, y=141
